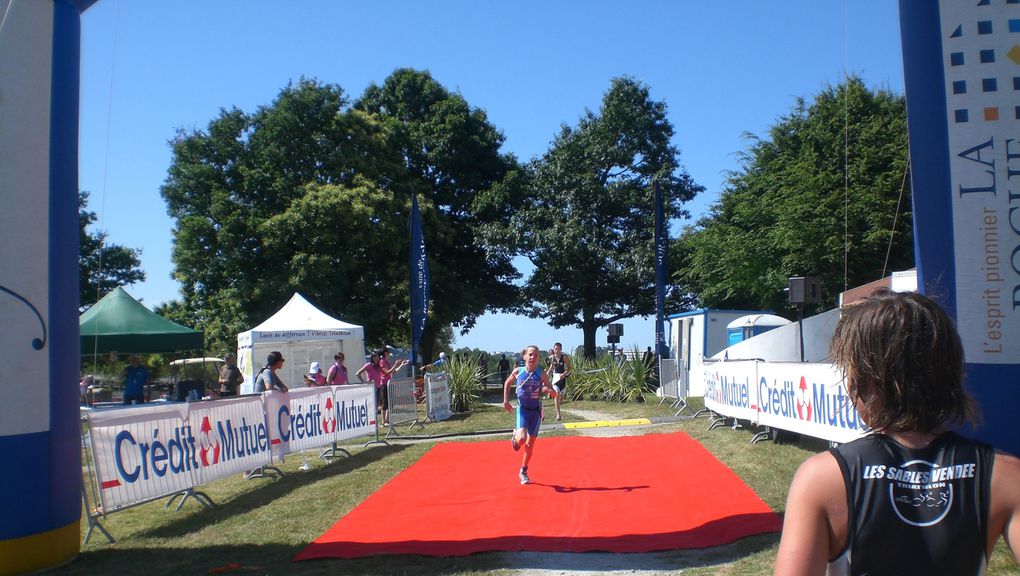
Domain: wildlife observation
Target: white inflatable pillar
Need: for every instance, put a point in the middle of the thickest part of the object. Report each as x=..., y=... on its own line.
x=40, y=462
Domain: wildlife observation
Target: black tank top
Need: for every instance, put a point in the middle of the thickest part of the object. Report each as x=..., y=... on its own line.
x=558, y=366
x=915, y=511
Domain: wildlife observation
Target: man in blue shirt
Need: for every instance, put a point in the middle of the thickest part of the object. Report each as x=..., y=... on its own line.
x=135, y=378
x=441, y=363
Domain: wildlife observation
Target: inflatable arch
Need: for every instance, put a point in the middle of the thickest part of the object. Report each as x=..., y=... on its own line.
x=40, y=459
x=961, y=62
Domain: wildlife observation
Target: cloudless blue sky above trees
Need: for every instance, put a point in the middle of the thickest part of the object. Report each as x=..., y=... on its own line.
x=723, y=68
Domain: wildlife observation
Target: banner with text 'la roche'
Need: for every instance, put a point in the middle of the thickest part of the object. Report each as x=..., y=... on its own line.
x=962, y=75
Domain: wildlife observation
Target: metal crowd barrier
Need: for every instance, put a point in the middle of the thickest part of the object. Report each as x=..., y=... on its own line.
x=673, y=383
x=403, y=405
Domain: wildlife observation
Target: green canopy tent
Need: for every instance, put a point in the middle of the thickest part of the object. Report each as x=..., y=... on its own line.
x=120, y=323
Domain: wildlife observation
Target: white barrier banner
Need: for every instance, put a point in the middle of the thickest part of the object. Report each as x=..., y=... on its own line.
x=232, y=436
x=809, y=399
x=306, y=418
x=275, y=402
x=298, y=420
x=164, y=448
x=353, y=411
x=142, y=453
x=730, y=389
x=438, y=395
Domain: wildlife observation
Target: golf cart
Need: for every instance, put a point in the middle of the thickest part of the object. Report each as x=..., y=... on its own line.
x=194, y=378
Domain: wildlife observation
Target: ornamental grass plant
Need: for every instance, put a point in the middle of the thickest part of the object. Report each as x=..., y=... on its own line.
x=604, y=379
x=465, y=377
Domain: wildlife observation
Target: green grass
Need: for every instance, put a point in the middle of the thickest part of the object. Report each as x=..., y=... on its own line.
x=260, y=524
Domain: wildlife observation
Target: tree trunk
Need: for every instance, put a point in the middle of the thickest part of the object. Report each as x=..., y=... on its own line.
x=588, y=327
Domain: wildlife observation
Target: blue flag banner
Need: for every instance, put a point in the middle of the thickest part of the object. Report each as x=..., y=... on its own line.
x=419, y=279
x=661, y=258
x=962, y=70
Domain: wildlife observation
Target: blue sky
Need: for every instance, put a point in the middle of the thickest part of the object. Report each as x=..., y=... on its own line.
x=723, y=68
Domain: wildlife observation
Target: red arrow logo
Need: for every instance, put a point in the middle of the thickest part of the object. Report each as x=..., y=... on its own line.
x=801, y=405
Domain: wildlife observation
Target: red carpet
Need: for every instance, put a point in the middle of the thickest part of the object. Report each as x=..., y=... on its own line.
x=624, y=494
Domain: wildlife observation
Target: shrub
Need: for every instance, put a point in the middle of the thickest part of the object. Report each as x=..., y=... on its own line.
x=604, y=379
x=465, y=378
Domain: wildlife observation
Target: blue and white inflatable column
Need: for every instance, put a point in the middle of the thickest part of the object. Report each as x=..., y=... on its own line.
x=40, y=462
x=961, y=64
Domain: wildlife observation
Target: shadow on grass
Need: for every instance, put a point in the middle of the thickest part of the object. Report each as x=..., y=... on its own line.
x=268, y=491
x=276, y=559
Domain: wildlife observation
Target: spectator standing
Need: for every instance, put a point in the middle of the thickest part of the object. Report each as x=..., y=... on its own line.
x=337, y=374
x=85, y=386
x=440, y=364
x=388, y=368
x=314, y=376
x=230, y=379
x=648, y=360
x=267, y=380
x=136, y=376
x=503, y=367
x=374, y=371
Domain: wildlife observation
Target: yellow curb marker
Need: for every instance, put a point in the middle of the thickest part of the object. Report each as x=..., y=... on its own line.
x=606, y=423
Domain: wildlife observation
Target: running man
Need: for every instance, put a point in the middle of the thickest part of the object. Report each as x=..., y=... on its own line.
x=531, y=382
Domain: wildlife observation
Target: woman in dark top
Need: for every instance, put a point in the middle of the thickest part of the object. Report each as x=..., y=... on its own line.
x=267, y=379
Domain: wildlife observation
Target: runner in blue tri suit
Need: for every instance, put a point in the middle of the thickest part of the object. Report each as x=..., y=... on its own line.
x=531, y=382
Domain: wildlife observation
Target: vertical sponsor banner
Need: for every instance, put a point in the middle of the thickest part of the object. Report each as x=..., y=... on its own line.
x=419, y=280
x=730, y=389
x=661, y=263
x=354, y=411
x=962, y=75
x=39, y=427
x=142, y=453
x=231, y=436
x=437, y=395
x=809, y=399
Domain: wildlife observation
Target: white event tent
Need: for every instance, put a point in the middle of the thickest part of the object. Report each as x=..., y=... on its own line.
x=303, y=334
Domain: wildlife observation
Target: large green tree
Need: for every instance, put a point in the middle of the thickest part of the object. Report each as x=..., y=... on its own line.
x=587, y=221
x=102, y=266
x=312, y=194
x=818, y=197
x=451, y=156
